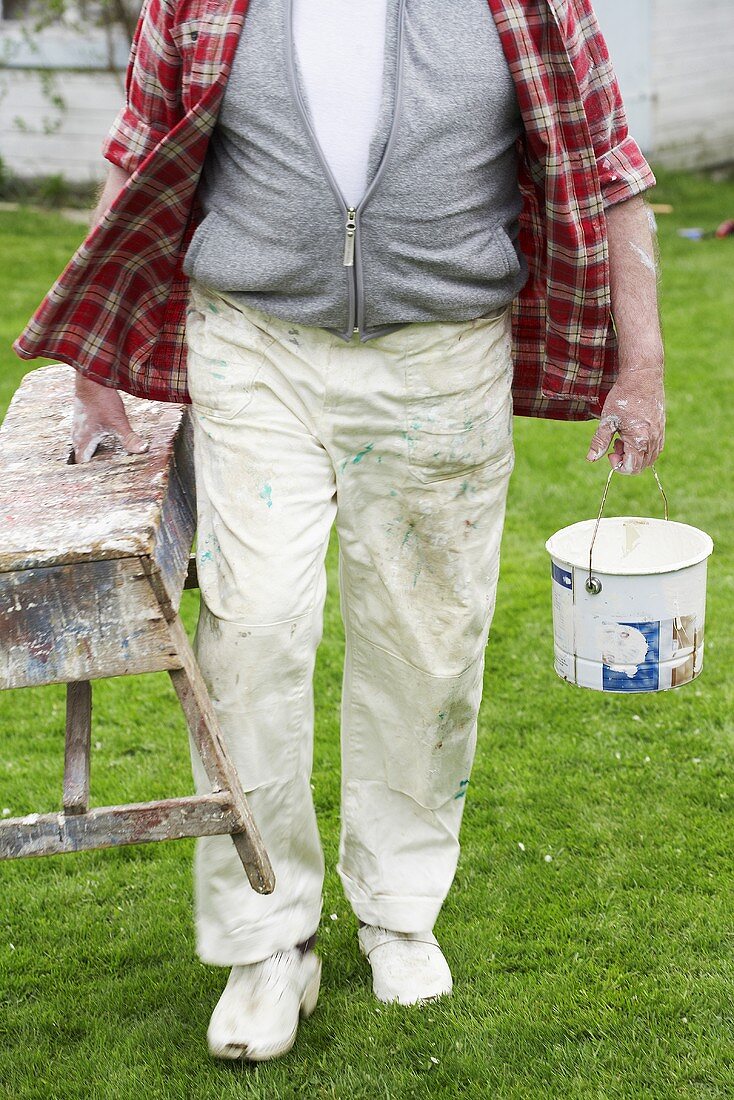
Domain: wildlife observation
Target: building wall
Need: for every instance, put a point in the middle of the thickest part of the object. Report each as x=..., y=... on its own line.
x=675, y=63
x=627, y=28
x=693, y=80
x=92, y=100
x=30, y=143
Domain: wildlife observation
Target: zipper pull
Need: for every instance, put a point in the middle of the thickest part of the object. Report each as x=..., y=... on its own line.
x=351, y=229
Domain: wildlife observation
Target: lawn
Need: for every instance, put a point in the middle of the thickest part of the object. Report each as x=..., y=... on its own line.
x=591, y=926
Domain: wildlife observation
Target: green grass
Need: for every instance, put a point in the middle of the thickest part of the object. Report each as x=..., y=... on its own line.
x=605, y=972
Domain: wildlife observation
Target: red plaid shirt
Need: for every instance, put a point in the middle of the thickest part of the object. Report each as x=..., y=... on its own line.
x=117, y=311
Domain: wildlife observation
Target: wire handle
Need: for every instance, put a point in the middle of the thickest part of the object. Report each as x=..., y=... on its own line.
x=593, y=584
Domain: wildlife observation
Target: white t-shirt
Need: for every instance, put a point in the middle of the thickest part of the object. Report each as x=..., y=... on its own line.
x=340, y=46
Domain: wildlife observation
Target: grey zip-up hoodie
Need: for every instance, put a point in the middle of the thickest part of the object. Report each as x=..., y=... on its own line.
x=433, y=237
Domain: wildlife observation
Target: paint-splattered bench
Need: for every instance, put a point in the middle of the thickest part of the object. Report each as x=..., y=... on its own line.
x=93, y=559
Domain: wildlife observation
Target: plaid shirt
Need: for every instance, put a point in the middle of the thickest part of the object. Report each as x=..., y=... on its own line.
x=117, y=312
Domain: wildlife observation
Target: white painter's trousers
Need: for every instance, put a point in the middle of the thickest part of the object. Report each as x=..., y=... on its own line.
x=406, y=442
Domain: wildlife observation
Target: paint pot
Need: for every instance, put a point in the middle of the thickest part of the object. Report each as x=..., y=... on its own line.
x=629, y=600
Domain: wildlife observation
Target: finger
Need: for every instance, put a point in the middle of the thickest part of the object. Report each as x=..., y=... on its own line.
x=133, y=443
x=633, y=461
x=616, y=455
x=602, y=437
x=130, y=440
x=654, y=447
x=654, y=453
x=87, y=445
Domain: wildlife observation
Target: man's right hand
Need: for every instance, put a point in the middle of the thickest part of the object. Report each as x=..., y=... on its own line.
x=99, y=411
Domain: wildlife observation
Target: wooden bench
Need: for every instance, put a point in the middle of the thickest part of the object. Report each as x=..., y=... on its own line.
x=93, y=560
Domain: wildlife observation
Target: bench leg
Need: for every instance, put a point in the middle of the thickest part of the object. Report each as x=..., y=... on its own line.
x=202, y=722
x=77, y=747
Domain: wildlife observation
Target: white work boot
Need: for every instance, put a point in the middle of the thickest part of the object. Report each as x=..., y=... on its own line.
x=256, y=1017
x=407, y=967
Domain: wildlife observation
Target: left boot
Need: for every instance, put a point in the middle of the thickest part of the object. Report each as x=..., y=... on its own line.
x=407, y=967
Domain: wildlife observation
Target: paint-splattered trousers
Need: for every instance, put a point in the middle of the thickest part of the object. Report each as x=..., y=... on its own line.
x=405, y=442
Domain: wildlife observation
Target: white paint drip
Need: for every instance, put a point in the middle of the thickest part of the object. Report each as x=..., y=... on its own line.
x=630, y=539
x=624, y=648
x=611, y=420
x=651, y=220
x=645, y=257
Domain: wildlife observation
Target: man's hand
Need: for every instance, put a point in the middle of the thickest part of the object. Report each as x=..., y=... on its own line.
x=98, y=410
x=635, y=409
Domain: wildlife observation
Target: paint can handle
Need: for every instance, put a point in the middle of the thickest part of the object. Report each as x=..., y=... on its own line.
x=593, y=584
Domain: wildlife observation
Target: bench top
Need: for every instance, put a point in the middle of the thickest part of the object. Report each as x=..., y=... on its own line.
x=53, y=511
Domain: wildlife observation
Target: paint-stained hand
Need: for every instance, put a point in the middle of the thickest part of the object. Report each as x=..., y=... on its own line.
x=98, y=411
x=634, y=411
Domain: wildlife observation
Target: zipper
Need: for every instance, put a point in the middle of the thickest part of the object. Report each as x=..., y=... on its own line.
x=352, y=260
x=296, y=92
x=349, y=234
x=391, y=138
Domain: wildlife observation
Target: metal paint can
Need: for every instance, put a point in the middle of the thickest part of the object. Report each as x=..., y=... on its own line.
x=629, y=601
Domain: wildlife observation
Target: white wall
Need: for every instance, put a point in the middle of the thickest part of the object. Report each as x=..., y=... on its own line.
x=675, y=63
x=693, y=77
x=92, y=99
x=627, y=28
x=92, y=96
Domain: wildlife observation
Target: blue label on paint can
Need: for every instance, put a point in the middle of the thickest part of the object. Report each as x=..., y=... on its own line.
x=631, y=657
x=562, y=576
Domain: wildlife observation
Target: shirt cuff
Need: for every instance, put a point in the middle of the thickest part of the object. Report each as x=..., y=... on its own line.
x=623, y=172
x=130, y=140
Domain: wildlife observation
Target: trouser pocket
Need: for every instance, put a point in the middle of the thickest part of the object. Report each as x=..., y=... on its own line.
x=458, y=399
x=226, y=353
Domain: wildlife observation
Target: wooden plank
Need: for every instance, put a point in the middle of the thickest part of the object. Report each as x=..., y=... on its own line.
x=202, y=722
x=111, y=826
x=77, y=746
x=169, y=558
x=55, y=511
x=81, y=622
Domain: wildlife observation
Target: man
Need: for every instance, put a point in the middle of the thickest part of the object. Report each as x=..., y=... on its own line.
x=353, y=242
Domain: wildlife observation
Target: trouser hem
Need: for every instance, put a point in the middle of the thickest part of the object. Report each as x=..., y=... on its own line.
x=398, y=914
x=246, y=948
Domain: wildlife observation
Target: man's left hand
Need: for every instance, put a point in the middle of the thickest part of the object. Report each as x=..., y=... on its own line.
x=635, y=411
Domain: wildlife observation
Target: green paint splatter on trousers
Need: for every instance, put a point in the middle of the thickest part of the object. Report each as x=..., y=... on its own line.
x=362, y=454
x=357, y=458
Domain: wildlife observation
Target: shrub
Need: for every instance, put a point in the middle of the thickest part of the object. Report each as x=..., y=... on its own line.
x=54, y=191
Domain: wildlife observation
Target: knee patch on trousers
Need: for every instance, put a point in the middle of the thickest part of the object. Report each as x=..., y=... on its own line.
x=251, y=672
x=417, y=729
